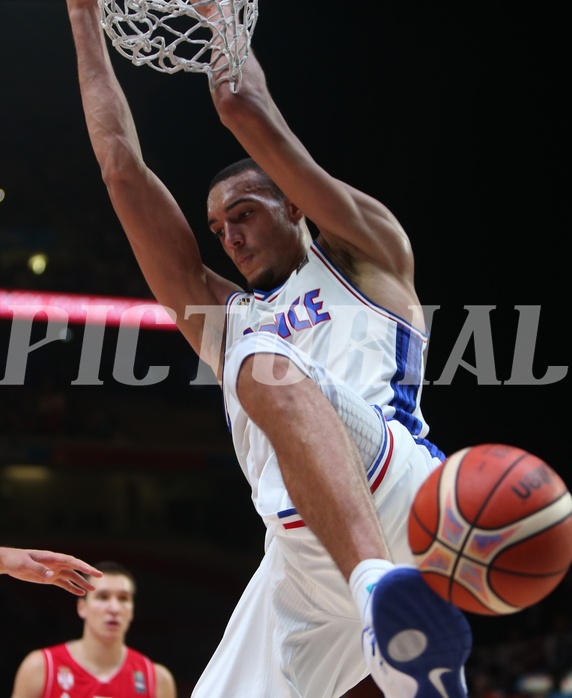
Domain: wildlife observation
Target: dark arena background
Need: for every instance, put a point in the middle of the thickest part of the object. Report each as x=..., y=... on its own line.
x=456, y=117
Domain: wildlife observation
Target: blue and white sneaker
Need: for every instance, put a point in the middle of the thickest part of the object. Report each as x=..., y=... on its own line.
x=414, y=642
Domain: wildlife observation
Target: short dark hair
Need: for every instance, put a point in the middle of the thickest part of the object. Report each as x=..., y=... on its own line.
x=245, y=165
x=111, y=567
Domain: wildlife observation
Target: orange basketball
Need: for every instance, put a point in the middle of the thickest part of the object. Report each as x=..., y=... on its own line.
x=491, y=529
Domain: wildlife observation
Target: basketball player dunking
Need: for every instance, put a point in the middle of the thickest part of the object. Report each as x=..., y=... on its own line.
x=323, y=368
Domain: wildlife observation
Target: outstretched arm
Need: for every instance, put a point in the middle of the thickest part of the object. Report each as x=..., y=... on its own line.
x=158, y=232
x=46, y=567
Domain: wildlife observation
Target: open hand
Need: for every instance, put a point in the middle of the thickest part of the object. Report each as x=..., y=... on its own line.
x=47, y=567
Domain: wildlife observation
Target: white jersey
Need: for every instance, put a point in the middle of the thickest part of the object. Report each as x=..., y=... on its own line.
x=296, y=630
x=377, y=353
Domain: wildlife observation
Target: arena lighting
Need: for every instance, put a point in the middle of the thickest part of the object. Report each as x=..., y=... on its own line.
x=85, y=309
x=27, y=472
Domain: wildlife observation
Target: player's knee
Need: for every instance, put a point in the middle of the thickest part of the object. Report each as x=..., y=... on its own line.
x=260, y=374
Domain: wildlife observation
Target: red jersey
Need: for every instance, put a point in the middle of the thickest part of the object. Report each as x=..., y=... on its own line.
x=65, y=678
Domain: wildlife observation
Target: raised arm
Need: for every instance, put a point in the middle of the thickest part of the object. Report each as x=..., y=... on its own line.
x=351, y=223
x=158, y=232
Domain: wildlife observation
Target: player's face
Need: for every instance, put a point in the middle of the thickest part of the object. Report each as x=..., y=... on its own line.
x=258, y=231
x=108, y=610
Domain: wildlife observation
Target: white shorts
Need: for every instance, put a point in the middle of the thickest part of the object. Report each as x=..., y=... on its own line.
x=296, y=631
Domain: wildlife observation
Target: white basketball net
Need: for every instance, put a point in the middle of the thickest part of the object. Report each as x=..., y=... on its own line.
x=171, y=35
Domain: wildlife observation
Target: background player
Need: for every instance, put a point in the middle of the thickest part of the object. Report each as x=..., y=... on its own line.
x=99, y=663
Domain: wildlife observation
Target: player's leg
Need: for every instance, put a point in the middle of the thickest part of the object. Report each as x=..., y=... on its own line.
x=415, y=644
x=320, y=463
x=324, y=475
x=318, y=626
x=291, y=635
x=245, y=664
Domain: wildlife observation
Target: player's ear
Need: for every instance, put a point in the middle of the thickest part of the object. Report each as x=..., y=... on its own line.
x=81, y=607
x=294, y=212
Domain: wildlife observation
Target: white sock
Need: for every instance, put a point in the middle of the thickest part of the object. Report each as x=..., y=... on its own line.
x=364, y=577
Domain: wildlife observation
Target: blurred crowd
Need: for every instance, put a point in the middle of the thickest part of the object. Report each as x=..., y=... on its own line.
x=528, y=655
